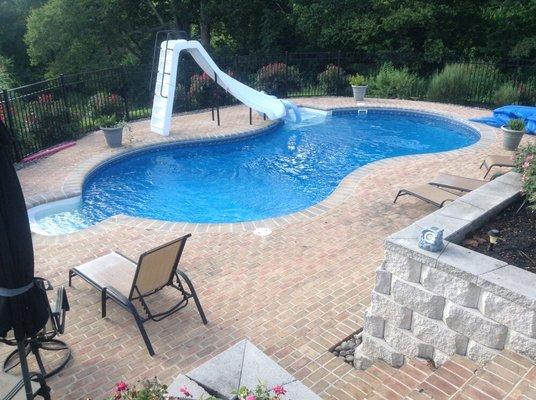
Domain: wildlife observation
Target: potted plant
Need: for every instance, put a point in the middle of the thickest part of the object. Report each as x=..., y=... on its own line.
x=112, y=128
x=358, y=86
x=513, y=132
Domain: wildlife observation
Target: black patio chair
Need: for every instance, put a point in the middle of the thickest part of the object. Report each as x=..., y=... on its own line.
x=45, y=340
x=124, y=281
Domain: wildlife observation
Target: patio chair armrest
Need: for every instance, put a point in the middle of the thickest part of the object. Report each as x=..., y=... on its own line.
x=61, y=306
x=128, y=258
x=43, y=283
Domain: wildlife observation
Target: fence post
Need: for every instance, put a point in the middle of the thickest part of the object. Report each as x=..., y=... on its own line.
x=64, y=97
x=125, y=92
x=338, y=73
x=217, y=100
x=11, y=126
x=286, y=73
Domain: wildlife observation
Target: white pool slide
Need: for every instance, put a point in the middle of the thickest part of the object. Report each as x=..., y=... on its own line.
x=168, y=68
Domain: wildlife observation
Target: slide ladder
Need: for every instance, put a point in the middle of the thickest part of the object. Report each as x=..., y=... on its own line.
x=166, y=79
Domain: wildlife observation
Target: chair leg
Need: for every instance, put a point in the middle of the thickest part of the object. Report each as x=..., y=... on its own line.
x=35, y=351
x=104, y=297
x=487, y=171
x=44, y=390
x=194, y=295
x=45, y=393
x=143, y=332
x=71, y=274
x=398, y=195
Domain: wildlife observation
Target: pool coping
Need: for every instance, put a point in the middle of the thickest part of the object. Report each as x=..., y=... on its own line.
x=73, y=183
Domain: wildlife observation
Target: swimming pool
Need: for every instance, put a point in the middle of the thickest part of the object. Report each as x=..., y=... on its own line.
x=280, y=171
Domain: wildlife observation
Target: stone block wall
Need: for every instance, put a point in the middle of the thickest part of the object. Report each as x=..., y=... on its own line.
x=435, y=305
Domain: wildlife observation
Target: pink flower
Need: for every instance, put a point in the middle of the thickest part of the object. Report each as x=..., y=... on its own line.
x=185, y=392
x=250, y=397
x=279, y=390
x=121, y=386
x=45, y=98
x=528, y=160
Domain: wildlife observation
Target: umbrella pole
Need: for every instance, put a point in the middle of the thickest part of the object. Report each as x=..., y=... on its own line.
x=24, y=369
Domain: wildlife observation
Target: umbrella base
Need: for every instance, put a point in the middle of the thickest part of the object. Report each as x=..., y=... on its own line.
x=51, y=351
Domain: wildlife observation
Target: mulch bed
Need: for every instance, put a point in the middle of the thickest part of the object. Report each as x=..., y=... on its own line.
x=517, y=243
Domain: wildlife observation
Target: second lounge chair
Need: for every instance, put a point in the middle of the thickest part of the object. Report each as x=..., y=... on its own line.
x=437, y=191
x=456, y=182
x=428, y=193
x=497, y=161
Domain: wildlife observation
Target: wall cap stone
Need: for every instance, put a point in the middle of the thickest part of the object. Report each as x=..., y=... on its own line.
x=459, y=218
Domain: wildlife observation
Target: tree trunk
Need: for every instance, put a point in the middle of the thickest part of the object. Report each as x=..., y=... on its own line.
x=173, y=9
x=204, y=24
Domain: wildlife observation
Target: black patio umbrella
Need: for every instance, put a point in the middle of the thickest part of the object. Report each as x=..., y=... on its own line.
x=23, y=306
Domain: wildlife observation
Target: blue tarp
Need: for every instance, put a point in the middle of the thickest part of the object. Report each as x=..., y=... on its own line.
x=502, y=115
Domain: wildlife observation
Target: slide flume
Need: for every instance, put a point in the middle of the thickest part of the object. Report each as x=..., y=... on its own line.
x=168, y=68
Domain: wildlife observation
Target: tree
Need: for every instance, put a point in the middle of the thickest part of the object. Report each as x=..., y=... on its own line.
x=65, y=36
x=259, y=26
x=7, y=77
x=510, y=30
x=416, y=33
x=68, y=36
x=13, y=14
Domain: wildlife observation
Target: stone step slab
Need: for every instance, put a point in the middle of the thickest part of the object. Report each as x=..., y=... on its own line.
x=182, y=381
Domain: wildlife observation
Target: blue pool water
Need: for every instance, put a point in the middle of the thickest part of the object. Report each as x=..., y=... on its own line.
x=286, y=169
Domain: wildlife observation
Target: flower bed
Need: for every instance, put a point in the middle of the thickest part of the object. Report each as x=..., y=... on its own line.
x=154, y=390
x=516, y=226
x=517, y=241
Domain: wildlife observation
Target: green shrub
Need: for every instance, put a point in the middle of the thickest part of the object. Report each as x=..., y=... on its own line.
x=201, y=92
x=180, y=103
x=391, y=82
x=516, y=124
x=105, y=103
x=527, y=91
x=357, y=80
x=108, y=121
x=7, y=79
x=506, y=94
x=278, y=79
x=204, y=92
x=47, y=122
x=526, y=166
x=461, y=83
x=332, y=80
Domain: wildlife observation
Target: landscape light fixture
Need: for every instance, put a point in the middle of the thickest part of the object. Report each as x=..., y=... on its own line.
x=494, y=236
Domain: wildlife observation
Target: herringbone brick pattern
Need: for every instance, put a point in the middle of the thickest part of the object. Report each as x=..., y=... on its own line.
x=294, y=293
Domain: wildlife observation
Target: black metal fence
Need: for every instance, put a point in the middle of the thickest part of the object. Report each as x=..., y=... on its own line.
x=46, y=113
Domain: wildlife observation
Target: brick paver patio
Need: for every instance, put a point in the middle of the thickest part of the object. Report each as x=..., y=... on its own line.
x=294, y=293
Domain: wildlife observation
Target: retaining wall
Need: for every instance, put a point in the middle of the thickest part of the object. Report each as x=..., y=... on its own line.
x=457, y=301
